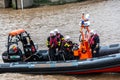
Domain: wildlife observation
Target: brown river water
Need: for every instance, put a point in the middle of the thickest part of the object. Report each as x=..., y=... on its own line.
x=104, y=17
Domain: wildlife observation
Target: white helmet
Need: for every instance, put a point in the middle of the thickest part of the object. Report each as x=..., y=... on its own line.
x=87, y=16
x=67, y=37
x=51, y=33
x=93, y=32
x=56, y=30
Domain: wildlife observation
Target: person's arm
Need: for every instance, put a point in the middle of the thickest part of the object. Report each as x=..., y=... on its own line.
x=83, y=18
x=48, y=42
x=97, y=41
x=62, y=37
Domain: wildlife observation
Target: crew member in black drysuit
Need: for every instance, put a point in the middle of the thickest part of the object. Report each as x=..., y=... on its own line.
x=94, y=42
x=59, y=37
x=52, y=44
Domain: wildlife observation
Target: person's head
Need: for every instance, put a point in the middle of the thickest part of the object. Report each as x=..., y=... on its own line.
x=14, y=48
x=51, y=33
x=67, y=38
x=56, y=31
x=83, y=13
x=92, y=32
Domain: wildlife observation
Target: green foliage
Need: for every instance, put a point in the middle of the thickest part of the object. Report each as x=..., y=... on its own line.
x=39, y=2
x=81, y=0
x=60, y=2
x=13, y=6
x=48, y=2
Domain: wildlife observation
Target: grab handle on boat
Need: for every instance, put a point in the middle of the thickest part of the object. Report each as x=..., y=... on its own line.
x=49, y=57
x=63, y=57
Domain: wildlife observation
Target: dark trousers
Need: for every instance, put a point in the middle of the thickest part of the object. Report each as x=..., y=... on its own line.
x=68, y=55
x=52, y=52
x=97, y=52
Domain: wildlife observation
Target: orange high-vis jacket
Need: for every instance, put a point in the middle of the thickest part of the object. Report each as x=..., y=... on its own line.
x=85, y=51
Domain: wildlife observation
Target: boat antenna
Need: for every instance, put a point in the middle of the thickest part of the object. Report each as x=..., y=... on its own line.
x=22, y=12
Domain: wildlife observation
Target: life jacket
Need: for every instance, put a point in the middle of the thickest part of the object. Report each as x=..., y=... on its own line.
x=53, y=41
x=68, y=44
x=91, y=40
x=59, y=37
x=84, y=51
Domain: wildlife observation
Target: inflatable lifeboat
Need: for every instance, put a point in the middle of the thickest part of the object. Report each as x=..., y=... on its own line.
x=37, y=61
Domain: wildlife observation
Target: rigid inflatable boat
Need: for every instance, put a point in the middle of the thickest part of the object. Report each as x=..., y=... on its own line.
x=109, y=61
x=30, y=60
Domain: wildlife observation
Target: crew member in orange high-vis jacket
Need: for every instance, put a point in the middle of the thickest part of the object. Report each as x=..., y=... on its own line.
x=84, y=51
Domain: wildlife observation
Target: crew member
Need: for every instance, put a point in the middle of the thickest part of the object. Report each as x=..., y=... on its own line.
x=59, y=37
x=15, y=49
x=68, y=46
x=94, y=42
x=52, y=44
